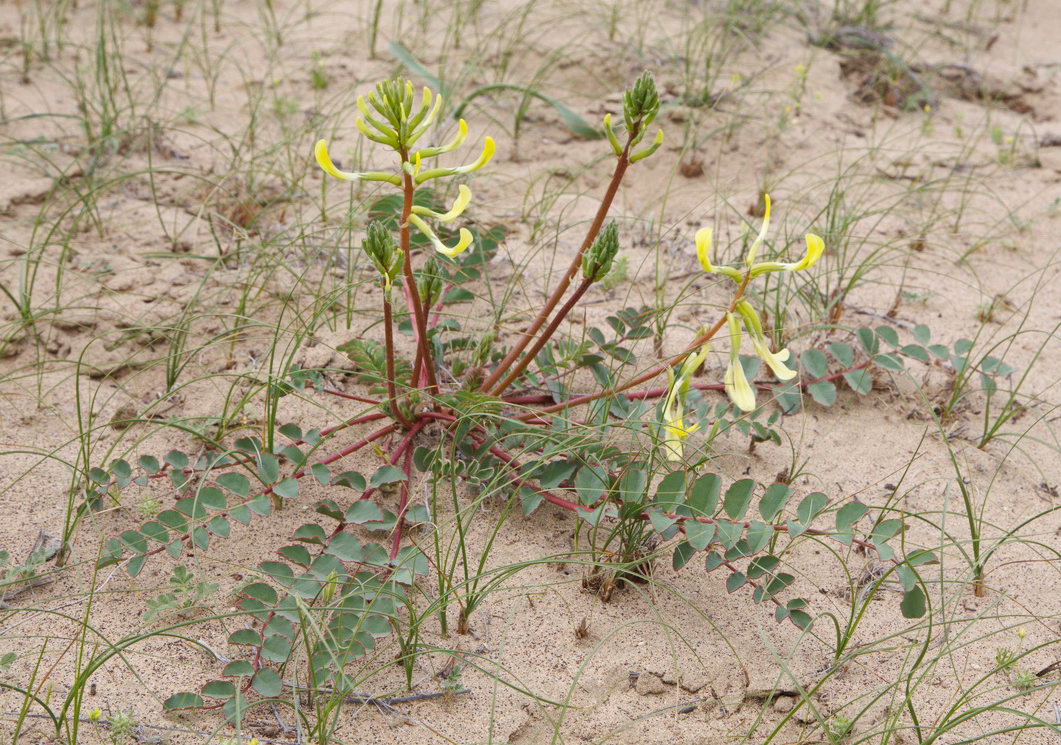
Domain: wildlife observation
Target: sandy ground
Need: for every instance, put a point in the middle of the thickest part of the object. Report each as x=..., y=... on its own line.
x=654, y=651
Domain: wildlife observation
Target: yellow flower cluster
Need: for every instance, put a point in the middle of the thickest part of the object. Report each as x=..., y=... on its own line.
x=743, y=318
x=387, y=118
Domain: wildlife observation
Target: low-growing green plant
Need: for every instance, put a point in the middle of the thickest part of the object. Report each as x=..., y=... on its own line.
x=512, y=422
x=185, y=594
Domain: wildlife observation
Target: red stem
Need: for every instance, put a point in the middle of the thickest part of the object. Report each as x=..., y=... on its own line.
x=351, y=396
x=555, y=324
x=412, y=294
x=388, y=337
x=655, y=371
x=594, y=229
x=403, y=504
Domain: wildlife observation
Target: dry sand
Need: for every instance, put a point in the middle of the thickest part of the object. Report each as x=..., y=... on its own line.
x=654, y=650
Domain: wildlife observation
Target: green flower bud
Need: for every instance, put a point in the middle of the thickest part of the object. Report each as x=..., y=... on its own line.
x=391, y=116
x=380, y=247
x=429, y=283
x=597, y=261
x=640, y=105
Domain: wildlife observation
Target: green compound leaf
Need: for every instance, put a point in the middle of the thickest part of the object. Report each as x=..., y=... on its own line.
x=682, y=553
x=344, y=547
x=868, y=340
x=846, y=517
x=200, y=538
x=211, y=498
x=320, y=472
x=245, y=637
x=237, y=669
x=135, y=565
x=219, y=526
x=149, y=463
x=809, y=508
x=890, y=361
x=268, y=468
x=261, y=591
x=351, y=479
x=671, y=491
x=177, y=459
x=728, y=533
x=286, y=489
x=888, y=334
x=363, y=511
x=591, y=483
x=774, y=500
x=155, y=532
x=735, y=581
x=916, y=351
x=310, y=533
x=173, y=520
x=386, y=475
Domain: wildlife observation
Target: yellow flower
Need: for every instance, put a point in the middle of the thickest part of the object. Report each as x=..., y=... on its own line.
x=737, y=387
x=462, y=133
x=762, y=232
x=482, y=160
x=774, y=360
x=320, y=151
x=703, y=253
x=675, y=432
x=463, y=242
x=815, y=249
x=464, y=196
x=388, y=115
x=95, y=715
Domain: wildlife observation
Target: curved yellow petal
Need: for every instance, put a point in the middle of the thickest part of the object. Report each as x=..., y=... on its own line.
x=464, y=196
x=703, y=249
x=320, y=151
x=458, y=139
x=774, y=360
x=762, y=232
x=484, y=157
x=815, y=249
x=737, y=388
x=452, y=251
x=650, y=149
x=463, y=242
x=736, y=383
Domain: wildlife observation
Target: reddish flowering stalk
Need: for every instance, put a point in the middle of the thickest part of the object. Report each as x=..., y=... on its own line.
x=561, y=288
